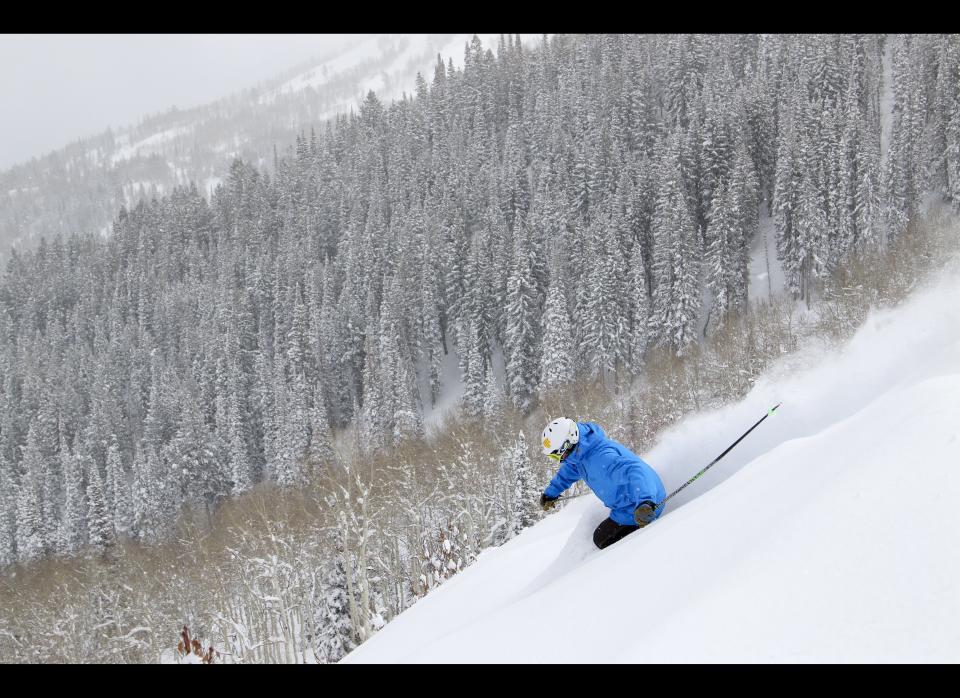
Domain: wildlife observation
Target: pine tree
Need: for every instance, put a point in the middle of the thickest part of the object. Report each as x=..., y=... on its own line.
x=903, y=173
x=745, y=200
x=33, y=538
x=556, y=359
x=432, y=334
x=472, y=400
x=952, y=139
x=639, y=309
x=723, y=273
x=241, y=469
x=292, y=436
x=811, y=233
x=122, y=505
x=194, y=453
x=494, y=397
x=786, y=192
x=868, y=206
x=321, y=450
x=99, y=518
x=717, y=148
x=50, y=479
x=149, y=495
x=334, y=633
x=525, y=486
x=75, y=507
x=676, y=262
x=520, y=340
x=407, y=421
x=842, y=218
x=7, y=517
x=601, y=317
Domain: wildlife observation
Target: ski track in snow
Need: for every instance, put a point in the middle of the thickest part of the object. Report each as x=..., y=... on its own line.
x=825, y=536
x=578, y=548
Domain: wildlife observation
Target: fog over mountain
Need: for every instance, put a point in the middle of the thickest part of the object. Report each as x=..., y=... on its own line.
x=81, y=187
x=64, y=87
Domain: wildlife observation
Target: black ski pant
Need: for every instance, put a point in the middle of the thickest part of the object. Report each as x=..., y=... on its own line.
x=609, y=532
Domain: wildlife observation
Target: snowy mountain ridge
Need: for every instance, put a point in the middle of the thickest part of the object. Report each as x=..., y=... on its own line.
x=823, y=537
x=360, y=66
x=90, y=179
x=409, y=54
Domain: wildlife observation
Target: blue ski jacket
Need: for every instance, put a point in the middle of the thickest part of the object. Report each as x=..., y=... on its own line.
x=620, y=478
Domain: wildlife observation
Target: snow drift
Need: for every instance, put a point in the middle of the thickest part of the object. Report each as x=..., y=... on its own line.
x=829, y=535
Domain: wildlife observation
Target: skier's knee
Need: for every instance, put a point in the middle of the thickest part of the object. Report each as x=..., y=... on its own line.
x=609, y=532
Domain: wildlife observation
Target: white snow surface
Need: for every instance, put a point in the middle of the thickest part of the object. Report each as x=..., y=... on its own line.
x=148, y=145
x=830, y=534
x=449, y=398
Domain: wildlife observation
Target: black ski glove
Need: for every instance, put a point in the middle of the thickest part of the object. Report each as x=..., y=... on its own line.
x=643, y=514
x=548, y=503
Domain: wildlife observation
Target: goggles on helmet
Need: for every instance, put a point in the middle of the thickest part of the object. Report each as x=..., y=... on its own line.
x=561, y=453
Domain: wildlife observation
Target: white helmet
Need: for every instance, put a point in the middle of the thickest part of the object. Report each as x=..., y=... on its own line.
x=559, y=435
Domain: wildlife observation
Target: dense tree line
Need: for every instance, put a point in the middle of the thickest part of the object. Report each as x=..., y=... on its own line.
x=557, y=212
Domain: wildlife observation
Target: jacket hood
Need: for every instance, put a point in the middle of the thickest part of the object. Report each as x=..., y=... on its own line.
x=591, y=434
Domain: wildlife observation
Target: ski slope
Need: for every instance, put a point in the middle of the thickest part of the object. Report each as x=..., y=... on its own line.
x=830, y=534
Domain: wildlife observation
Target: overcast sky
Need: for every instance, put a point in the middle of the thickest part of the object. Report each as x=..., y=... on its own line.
x=57, y=88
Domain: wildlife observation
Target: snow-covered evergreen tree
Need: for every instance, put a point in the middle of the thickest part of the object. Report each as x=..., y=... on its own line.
x=525, y=486
x=494, y=396
x=122, y=505
x=811, y=235
x=99, y=518
x=407, y=421
x=677, y=257
x=334, y=634
x=520, y=339
x=474, y=380
x=724, y=233
x=33, y=537
x=8, y=552
x=639, y=308
x=241, y=469
x=321, y=450
x=75, y=506
x=556, y=358
x=603, y=325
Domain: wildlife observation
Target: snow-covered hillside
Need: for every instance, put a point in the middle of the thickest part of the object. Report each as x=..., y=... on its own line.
x=92, y=178
x=387, y=64
x=410, y=54
x=828, y=535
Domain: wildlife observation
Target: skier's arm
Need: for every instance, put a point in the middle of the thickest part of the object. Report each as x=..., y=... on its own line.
x=566, y=476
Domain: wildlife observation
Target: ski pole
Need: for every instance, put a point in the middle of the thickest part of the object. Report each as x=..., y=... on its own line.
x=572, y=496
x=729, y=448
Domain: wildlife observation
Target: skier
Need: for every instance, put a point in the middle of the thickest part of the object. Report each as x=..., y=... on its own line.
x=623, y=482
